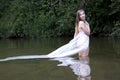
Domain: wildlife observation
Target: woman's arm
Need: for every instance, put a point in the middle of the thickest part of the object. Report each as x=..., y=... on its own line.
x=84, y=27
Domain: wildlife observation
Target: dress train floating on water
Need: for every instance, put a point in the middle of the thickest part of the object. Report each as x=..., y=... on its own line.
x=77, y=44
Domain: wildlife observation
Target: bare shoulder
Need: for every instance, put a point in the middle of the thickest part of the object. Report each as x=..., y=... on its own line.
x=81, y=22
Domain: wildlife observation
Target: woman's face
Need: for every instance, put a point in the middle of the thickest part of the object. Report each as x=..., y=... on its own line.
x=82, y=15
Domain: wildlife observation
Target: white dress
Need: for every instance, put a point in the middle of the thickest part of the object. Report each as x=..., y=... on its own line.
x=77, y=44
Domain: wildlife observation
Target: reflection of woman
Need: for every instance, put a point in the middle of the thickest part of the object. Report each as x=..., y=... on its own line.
x=79, y=42
x=84, y=68
x=80, y=67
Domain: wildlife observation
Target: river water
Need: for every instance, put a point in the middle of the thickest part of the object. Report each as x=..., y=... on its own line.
x=103, y=62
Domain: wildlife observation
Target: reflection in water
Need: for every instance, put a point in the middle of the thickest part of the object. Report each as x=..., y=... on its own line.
x=80, y=67
x=84, y=69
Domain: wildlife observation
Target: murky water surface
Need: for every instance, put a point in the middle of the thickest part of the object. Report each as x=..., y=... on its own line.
x=103, y=62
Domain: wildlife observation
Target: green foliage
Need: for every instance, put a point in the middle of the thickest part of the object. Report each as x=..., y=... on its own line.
x=53, y=18
x=103, y=15
x=116, y=29
x=38, y=18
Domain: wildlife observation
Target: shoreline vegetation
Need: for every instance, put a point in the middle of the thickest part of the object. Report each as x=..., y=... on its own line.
x=56, y=18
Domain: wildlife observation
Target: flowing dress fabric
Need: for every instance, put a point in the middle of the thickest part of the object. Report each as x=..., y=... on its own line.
x=77, y=44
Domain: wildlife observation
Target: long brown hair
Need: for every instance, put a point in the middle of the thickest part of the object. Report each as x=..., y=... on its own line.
x=77, y=20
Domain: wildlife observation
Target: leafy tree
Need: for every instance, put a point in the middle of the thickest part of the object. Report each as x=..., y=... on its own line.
x=53, y=18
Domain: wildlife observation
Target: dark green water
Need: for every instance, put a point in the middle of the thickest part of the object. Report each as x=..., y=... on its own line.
x=104, y=60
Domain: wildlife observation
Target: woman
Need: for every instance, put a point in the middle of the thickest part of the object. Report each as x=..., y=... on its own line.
x=81, y=23
x=79, y=42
